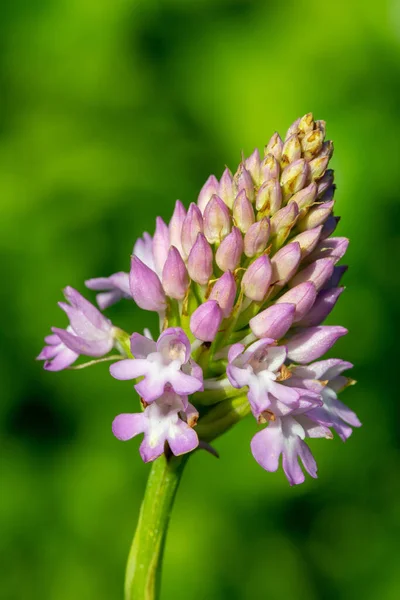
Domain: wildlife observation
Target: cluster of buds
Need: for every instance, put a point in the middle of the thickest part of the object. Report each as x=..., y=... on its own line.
x=242, y=282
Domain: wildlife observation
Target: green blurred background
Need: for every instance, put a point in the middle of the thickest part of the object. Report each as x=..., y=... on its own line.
x=109, y=111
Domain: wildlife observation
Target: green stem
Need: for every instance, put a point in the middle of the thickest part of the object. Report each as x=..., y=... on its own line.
x=143, y=572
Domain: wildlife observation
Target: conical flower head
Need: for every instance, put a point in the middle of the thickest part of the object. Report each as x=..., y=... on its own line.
x=242, y=283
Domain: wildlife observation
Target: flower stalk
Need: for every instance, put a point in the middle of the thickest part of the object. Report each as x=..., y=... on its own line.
x=143, y=571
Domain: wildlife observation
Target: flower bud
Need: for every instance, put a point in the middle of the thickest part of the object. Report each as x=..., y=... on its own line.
x=210, y=188
x=318, y=272
x=269, y=197
x=291, y=151
x=294, y=128
x=305, y=197
x=318, y=167
x=285, y=262
x=175, y=226
x=330, y=248
x=256, y=238
x=160, y=245
x=230, y=250
x=270, y=168
x=306, y=124
x=311, y=143
x=322, y=307
x=226, y=190
x=326, y=149
x=273, y=322
x=308, y=240
x=192, y=226
x=244, y=182
x=321, y=125
x=282, y=222
x=328, y=195
x=243, y=213
x=200, y=261
x=274, y=146
x=329, y=226
x=294, y=177
x=253, y=165
x=336, y=277
x=315, y=216
x=325, y=183
x=257, y=278
x=302, y=296
x=217, y=220
x=224, y=292
x=145, y=286
x=175, y=278
x=310, y=344
x=205, y=321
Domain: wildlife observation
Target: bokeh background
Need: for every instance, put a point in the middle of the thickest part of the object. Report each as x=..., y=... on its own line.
x=109, y=111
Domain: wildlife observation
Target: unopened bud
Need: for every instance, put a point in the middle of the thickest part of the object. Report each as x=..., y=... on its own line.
x=226, y=190
x=329, y=226
x=311, y=143
x=330, y=248
x=322, y=307
x=160, y=245
x=205, y=321
x=315, y=216
x=305, y=197
x=244, y=182
x=253, y=165
x=285, y=262
x=306, y=124
x=270, y=168
x=269, y=197
x=175, y=226
x=273, y=322
x=318, y=167
x=325, y=182
x=210, y=188
x=282, y=222
x=291, y=151
x=294, y=128
x=224, y=292
x=217, y=220
x=200, y=261
x=230, y=250
x=308, y=240
x=243, y=213
x=326, y=149
x=318, y=272
x=175, y=278
x=145, y=286
x=192, y=226
x=293, y=178
x=256, y=238
x=302, y=296
x=274, y=147
x=256, y=280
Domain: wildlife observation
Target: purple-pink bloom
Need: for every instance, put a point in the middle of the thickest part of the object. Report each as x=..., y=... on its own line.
x=259, y=367
x=285, y=436
x=163, y=363
x=90, y=332
x=333, y=412
x=165, y=420
x=56, y=354
x=111, y=289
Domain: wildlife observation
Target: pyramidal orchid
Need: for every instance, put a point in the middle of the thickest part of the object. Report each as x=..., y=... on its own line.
x=242, y=282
